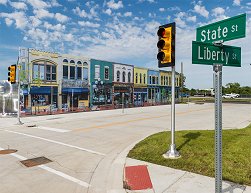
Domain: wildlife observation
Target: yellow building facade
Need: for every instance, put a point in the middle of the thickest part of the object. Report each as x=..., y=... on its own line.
x=140, y=86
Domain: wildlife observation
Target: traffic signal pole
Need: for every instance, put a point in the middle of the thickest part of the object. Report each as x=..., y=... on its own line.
x=19, y=84
x=172, y=152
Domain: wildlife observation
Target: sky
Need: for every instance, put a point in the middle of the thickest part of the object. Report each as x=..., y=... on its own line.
x=123, y=31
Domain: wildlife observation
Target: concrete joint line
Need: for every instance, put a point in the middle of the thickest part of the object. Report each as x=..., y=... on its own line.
x=174, y=182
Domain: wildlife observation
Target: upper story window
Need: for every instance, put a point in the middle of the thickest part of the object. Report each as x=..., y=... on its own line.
x=79, y=62
x=161, y=80
x=124, y=76
x=150, y=78
x=118, y=76
x=157, y=80
x=79, y=73
x=106, y=72
x=144, y=78
x=153, y=82
x=85, y=73
x=72, y=62
x=72, y=72
x=140, y=78
x=129, y=77
x=97, y=71
x=85, y=64
x=44, y=71
x=65, y=61
x=65, y=72
x=136, y=78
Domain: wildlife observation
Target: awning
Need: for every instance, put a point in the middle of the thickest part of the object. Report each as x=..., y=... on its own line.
x=75, y=90
x=45, y=90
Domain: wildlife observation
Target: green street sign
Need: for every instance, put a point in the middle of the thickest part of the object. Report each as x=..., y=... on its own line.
x=206, y=53
x=228, y=29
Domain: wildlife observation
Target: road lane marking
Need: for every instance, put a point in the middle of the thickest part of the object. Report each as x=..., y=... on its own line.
x=56, y=142
x=61, y=174
x=133, y=120
x=52, y=129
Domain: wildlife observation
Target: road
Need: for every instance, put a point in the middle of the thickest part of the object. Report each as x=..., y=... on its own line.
x=88, y=149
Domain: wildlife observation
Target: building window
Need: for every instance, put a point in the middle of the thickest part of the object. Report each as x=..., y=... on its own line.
x=161, y=79
x=124, y=76
x=97, y=71
x=118, y=76
x=106, y=72
x=136, y=78
x=50, y=72
x=150, y=78
x=72, y=72
x=85, y=74
x=157, y=80
x=65, y=72
x=79, y=73
x=140, y=78
x=153, y=79
x=170, y=81
x=65, y=61
x=129, y=77
x=144, y=78
x=79, y=62
x=72, y=62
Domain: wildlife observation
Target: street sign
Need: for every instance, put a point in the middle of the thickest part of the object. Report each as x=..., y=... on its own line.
x=206, y=53
x=228, y=29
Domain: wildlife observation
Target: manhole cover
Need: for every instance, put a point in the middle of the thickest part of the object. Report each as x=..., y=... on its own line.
x=8, y=151
x=35, y=161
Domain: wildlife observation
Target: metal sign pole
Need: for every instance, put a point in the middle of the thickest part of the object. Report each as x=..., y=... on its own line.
x=218, y=127
x=172, y=153
x=123, y=96
x=19, y=84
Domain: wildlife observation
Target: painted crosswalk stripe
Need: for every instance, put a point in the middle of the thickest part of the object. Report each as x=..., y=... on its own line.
x=61, y=174
x=52, y=129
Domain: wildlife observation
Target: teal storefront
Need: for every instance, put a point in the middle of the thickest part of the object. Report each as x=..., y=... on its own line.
x=101, y=78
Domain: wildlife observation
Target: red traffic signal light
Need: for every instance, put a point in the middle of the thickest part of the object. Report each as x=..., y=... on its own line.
x=12, y=73
x=166, y=45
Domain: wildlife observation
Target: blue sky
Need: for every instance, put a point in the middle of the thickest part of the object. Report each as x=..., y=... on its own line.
x=119, y=30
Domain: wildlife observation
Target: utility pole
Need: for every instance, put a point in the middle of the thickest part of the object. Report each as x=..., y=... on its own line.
x=19, y=85
x=181, y=80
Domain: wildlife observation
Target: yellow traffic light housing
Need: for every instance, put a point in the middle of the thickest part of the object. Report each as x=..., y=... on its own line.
x=12, y=73
x=166, y=45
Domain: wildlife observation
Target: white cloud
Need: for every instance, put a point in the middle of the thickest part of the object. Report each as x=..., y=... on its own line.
x=8, y=21
x=58, y=27
x=42, y=13
x=128, y=14
x=80, y=13
x=150, y=1
x=18, y=5
x=19, y=17
x=3, y=2
x=180, y=22
x=88, y=24
x=38, y=4
x=237, y=2
x=198, y=8
x=191, y=18
x=61, y=18
x=161, y=9
x=35, y=21
x=108, y=12
x=218, y=11
x=111, y=4
x=54, y=3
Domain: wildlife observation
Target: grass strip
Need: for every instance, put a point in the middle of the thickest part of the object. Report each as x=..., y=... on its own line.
x=197, y=151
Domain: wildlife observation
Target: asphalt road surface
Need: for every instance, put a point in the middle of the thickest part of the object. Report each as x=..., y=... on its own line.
x=87, y=150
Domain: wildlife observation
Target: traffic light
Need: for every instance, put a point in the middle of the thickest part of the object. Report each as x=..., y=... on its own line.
x=12, y=73
x=166, y=45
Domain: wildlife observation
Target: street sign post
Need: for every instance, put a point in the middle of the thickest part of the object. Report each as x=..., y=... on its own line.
x=225, y=30
x=208, y=49
x=206, y=53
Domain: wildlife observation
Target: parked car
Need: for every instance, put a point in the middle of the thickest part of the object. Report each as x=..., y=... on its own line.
x=230, y=96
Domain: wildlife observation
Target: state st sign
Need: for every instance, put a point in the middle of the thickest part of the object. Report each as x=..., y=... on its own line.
x=225, y=30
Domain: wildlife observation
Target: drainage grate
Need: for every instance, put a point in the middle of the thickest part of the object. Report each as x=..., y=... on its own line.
x=35, y=161
x=8, y=151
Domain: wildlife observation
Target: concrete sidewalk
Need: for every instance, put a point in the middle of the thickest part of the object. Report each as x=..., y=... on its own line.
x=168, y=180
